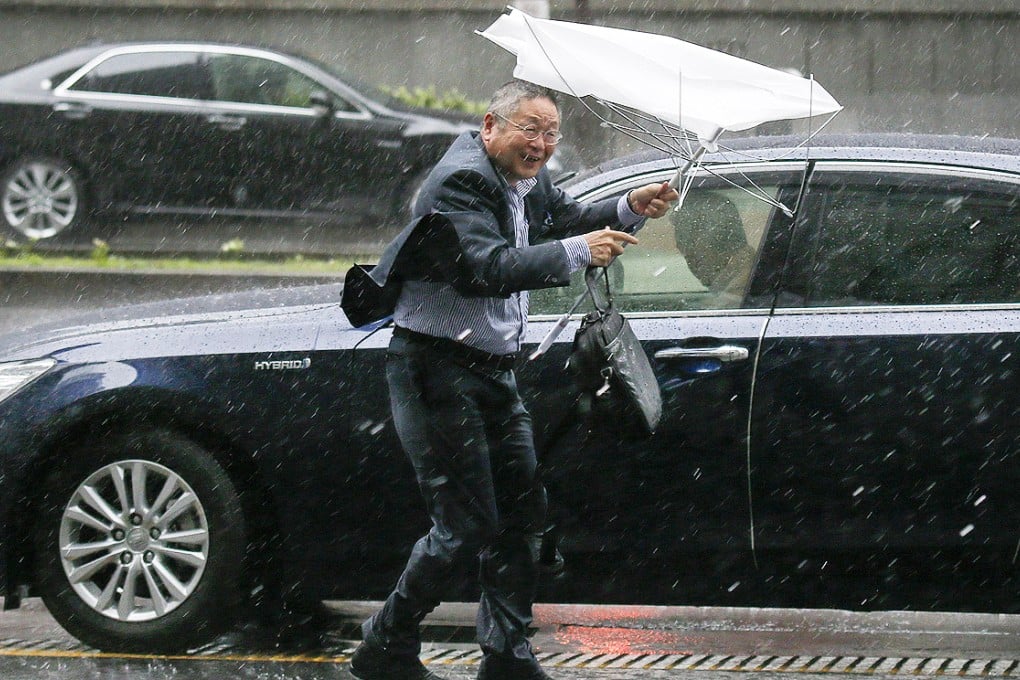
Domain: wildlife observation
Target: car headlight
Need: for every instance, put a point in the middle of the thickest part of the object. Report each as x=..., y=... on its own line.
x=16, y=374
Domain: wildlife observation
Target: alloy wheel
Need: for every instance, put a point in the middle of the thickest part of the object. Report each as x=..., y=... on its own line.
x=40, y=198
x=134, y=541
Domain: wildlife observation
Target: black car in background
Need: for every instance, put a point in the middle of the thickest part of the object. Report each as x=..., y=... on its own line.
x=198, y=129
x=835, y=330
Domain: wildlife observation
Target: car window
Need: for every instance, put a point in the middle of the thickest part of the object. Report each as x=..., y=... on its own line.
x=898, y=240
x=253, y=80
x=154, y=74
x=699, y=257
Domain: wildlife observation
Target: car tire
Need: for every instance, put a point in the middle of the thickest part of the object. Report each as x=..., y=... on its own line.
x=41, y=197
x=139, y=544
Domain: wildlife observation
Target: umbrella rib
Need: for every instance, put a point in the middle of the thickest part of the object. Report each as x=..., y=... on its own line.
x=673, y=140
x=666, y=141
x=634, y=116
x=677, y=152
x=638, y=133
x=758, y=192
x=545, y=53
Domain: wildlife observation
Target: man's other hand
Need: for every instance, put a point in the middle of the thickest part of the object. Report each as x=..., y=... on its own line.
x=606, y=244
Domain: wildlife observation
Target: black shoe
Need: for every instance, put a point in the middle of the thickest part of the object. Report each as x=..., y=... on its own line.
x=509, y=668
x=371, y=663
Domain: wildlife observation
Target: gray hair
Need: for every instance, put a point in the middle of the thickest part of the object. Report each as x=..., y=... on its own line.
x=507, y=99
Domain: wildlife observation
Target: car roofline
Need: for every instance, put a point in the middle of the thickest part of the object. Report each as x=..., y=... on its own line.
x=986, y=153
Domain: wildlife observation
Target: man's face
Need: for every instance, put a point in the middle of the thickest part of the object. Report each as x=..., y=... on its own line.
x=516, y=156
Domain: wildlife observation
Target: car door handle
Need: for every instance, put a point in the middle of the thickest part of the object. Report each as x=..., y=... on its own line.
x=73, y=110
x=723, y=353
x=230, y=123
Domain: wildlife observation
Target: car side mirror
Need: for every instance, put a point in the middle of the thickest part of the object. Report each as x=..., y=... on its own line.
x=321, y=103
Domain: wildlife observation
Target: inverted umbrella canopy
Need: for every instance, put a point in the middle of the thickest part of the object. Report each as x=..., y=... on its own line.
x=694, y=88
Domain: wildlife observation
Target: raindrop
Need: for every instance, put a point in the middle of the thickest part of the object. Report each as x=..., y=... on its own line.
x=966, y=530
x=980, y=500
x=953, y=204
x=733, y=587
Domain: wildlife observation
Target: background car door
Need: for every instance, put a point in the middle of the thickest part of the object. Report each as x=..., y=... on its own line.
x=885, y=403
x=283, y=154
x=140, y=125
x=698, y=293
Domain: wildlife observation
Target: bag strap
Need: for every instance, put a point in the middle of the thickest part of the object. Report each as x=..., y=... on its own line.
x=602, y=301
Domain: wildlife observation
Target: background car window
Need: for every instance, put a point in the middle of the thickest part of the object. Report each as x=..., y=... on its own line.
x=252, y=80
x=155, y=74
x=892, y=241
x=700, y=257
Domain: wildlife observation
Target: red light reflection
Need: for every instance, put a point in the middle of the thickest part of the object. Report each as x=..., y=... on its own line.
x=611, y=629
x=602, y=640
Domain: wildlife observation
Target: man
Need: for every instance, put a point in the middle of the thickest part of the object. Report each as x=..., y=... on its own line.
x=453, y=393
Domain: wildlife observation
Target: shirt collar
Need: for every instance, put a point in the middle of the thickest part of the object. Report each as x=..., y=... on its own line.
x=524, y=186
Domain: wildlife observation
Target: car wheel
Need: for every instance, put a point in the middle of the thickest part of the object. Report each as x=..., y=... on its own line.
x=41, y=197
x=139, y=544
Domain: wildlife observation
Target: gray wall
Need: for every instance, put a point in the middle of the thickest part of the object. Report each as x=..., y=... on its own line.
x=943, y=66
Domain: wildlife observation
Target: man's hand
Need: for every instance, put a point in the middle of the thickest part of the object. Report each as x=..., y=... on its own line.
x=652, y=200
x=606, y=244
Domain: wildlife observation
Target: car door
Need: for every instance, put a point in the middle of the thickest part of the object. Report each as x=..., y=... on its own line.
x=136, y=117
x=283, y=153
x=698, y=292
x=885, y=408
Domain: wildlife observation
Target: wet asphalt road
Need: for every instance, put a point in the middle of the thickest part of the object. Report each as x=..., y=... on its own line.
x=573, y=641
x=29, y=297
x=33, y=296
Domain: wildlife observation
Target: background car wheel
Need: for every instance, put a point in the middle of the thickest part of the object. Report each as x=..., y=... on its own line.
x=139, y=544
x=41, y=197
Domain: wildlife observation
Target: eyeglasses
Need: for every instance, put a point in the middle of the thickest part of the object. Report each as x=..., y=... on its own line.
x=531, y=133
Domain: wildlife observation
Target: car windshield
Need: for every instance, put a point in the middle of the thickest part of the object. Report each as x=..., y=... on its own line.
x=360, y=84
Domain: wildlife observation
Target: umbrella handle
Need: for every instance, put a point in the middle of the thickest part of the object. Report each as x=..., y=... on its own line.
x=555, y=331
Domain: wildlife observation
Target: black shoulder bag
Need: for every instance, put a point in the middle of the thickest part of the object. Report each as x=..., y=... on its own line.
x=607, y=359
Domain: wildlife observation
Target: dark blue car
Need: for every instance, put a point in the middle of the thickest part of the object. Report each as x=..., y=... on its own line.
x=835, y=329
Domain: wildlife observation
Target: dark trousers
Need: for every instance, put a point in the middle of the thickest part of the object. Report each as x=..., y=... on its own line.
x=470, y=440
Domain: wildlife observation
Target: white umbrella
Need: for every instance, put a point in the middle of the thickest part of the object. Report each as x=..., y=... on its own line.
x=678, y=84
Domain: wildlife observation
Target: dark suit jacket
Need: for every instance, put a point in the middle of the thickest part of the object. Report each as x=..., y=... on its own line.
x=463, y=234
